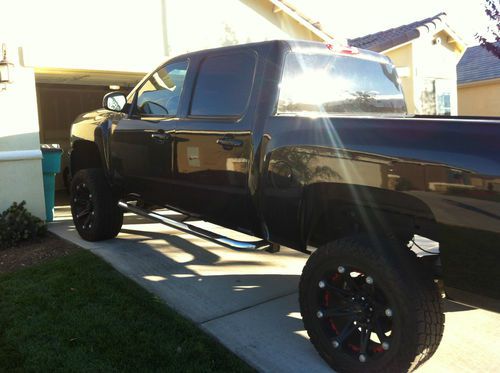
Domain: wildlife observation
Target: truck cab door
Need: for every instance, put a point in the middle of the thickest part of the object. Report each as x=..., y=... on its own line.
x=214, y=142
x=142, y=143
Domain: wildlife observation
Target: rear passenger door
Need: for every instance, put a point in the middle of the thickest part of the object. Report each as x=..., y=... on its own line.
x=213, y=141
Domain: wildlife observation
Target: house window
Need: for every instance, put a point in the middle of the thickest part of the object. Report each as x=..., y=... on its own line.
x=443, y=96
x=436, y=97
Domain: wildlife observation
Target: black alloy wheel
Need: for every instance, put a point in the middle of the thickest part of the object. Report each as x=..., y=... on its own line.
x=94, y=206
x=83, y=206
x=355, y=313
x=368, y=306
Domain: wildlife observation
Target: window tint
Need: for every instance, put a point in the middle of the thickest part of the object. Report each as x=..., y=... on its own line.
x=160, y=95
x=223, y=86
x=339, y=84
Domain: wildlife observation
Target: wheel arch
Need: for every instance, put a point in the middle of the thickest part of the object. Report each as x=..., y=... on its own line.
x=85, y=154
x=333, y=210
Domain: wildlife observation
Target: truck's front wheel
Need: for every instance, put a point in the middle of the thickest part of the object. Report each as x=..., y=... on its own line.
x=367, y=306
x=94, y=207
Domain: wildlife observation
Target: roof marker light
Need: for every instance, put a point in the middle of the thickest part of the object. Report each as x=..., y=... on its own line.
x=342, y=49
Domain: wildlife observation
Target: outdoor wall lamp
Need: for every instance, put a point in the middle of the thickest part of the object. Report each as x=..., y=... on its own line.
x=5, y=67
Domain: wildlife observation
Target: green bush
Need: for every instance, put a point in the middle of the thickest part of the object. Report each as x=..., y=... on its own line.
x=17, y=224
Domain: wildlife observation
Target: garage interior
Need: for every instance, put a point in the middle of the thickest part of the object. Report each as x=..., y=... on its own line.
x=63, y=94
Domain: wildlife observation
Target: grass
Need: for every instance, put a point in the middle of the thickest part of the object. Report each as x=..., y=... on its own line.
x=78, y=314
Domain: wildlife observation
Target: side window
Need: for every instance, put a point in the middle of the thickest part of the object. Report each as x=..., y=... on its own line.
x=223, y=85
x=160, y=95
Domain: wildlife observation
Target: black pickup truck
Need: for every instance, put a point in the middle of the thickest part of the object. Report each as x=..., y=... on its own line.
x=307, y=145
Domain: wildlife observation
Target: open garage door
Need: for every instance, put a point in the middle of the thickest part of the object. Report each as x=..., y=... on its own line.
x=64, y=94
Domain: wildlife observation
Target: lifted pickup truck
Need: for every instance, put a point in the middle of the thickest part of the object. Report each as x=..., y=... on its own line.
x=308, y=145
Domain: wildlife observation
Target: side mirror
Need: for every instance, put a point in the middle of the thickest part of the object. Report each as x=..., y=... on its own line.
x=114, y=101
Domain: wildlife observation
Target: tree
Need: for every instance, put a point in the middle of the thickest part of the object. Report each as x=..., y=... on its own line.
x=492, y=11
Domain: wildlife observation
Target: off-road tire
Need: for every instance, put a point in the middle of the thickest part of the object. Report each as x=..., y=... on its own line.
x=414, y=296
x=90, y=189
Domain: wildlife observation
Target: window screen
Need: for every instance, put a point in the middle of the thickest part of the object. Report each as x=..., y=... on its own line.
x=223, y=85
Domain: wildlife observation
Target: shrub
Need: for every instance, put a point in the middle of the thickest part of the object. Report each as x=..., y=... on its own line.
x=17, y=224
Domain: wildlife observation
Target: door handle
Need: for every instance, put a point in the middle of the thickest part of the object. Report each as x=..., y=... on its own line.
x=229, y=143
x=160, y=136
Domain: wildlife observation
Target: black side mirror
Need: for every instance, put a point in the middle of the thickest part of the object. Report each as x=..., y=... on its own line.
x=114, y=101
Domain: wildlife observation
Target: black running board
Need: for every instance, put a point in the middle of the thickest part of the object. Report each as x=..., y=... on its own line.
x=196, y=231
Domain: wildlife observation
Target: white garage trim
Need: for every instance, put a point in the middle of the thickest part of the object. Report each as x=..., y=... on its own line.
x=20, y=155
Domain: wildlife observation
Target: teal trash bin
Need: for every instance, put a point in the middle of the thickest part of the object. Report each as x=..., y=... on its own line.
x=51, y=165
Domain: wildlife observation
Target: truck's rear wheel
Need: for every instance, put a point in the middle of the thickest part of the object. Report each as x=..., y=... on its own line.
x=368, y=307
x=94, y=207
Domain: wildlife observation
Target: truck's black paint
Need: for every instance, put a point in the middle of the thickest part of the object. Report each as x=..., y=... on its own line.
x=301, y=181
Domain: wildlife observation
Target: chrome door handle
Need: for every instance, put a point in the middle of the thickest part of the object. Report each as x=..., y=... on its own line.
x=229, y=143
x=160, y=136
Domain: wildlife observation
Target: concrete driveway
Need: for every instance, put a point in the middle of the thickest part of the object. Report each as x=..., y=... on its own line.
x=249, y=300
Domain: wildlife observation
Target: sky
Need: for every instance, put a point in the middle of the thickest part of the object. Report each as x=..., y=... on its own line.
x=353, y=18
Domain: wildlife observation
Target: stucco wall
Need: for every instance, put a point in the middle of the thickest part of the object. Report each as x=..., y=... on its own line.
x=434, y=62
x=402, y=59
x=482, y=98
x=127, y=35
x=233, y=22
x=20, y=162
x=427, y=62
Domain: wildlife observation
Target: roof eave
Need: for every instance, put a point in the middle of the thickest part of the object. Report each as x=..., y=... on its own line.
x=439, y=24
x=479, y=82
x=301, y=20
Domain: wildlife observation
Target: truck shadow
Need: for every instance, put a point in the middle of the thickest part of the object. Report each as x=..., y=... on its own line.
x=241, y=298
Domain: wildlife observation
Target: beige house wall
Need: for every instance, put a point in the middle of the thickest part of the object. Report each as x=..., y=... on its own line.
x=236, y=22
x=481, y=98
x=96, y=34
x=435, y=61
x=402, y=58
x=423, y=61
x=20, y=156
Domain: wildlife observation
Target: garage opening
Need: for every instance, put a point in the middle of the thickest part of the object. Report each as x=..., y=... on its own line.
x=63, y=94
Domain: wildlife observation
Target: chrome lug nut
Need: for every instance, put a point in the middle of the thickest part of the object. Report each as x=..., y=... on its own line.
x=335, y=344
x=322, y=284
x=388, y=312
x=369, y=280
x=385, y=346
x=341, y=269
x=320, y=314
x=362, y=358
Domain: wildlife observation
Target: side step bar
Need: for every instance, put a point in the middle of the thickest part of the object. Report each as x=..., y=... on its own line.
x=196, y=231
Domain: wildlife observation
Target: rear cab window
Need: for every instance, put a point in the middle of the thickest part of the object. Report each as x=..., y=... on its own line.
x=329, y=84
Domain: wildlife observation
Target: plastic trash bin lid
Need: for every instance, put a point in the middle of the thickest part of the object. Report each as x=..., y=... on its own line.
x=51, y=148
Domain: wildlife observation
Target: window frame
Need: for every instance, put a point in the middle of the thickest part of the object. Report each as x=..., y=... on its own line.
x=220, y=117
x=133, y=110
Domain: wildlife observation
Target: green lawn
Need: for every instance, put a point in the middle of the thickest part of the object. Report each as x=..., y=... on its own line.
x=78, y=314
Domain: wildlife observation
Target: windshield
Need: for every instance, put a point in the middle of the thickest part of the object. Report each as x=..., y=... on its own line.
x=315, y=84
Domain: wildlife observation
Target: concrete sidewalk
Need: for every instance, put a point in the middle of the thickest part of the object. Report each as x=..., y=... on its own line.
x=249, y=300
